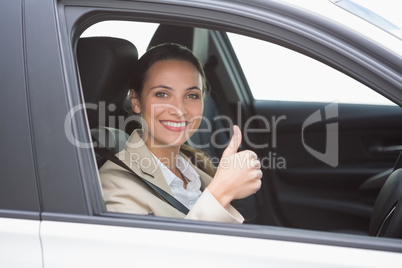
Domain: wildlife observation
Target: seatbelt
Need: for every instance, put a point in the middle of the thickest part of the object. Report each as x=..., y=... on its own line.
x=163, y=194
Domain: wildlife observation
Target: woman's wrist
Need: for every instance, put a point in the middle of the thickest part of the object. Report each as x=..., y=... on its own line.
x=221, y=196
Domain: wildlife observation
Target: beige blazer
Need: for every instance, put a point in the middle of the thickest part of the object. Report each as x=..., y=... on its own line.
x=124, y=192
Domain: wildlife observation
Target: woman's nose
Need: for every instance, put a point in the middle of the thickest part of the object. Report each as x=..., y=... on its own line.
x=178, y=108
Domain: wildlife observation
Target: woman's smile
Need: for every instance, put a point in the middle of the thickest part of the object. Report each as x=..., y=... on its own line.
x=174, y=125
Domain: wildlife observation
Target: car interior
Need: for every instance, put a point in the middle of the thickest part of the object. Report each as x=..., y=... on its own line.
x=307, y=194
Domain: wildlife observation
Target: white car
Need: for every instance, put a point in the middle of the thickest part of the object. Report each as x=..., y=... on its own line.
x=316, y=87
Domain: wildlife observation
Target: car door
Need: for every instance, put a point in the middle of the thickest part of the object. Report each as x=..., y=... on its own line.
x=75, y=230
x=326, y=141
x=20, y=206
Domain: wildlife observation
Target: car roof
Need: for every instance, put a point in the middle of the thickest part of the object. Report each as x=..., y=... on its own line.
x=328, y=10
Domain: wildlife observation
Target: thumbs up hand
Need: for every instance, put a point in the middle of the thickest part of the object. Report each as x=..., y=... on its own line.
x=234, y=143
x=238, y=174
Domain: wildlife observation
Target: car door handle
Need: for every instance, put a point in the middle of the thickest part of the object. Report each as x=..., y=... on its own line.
x=386, y=149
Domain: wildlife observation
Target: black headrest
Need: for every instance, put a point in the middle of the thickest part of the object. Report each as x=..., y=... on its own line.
x=105, y=66
x=172, y=34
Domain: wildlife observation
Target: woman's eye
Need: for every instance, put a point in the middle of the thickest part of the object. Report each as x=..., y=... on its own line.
x=193, y=96
x=161, y=94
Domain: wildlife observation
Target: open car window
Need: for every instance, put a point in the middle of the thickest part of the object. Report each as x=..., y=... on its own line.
x=311, y=153
x=280, y=74
x=138, y=33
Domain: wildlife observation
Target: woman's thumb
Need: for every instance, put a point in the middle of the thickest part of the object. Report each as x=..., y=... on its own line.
x=234, y=143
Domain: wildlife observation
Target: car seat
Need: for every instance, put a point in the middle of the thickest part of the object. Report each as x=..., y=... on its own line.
x=386, y=219
x=105, y=65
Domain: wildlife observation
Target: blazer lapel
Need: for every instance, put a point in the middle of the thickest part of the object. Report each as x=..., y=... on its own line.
x=143, y=163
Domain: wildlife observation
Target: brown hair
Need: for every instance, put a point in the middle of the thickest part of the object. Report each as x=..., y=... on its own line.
x=171, y=51
x=167, y=51
x=199, y=158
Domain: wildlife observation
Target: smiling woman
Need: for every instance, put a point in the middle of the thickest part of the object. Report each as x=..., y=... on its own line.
x=167, y=91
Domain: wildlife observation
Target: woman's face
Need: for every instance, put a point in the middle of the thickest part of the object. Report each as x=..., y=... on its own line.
x=170, y=104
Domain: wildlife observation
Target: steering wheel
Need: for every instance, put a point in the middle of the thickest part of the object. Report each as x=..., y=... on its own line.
x=386, y=219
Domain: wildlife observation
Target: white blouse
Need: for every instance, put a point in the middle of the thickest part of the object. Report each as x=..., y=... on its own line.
x=188, y=196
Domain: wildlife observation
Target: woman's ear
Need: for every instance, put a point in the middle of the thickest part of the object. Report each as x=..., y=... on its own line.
x=135, y=101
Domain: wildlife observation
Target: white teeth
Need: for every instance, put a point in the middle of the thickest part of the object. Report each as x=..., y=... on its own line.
x=172, y=124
